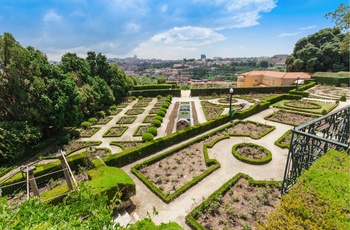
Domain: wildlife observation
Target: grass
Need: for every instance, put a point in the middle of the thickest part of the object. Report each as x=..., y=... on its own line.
x=320, y=198
x=323, y=106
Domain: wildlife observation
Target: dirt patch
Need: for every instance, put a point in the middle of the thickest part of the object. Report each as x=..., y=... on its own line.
x=172, y=117
x=174, y=171
x=291, y=118
x=251, y=152
x=240, y=207
x=194, y=113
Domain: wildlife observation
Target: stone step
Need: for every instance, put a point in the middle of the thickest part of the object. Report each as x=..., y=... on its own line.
x=122, y=217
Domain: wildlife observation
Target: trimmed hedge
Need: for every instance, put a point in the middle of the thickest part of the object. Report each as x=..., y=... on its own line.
x=192, y=217
x=240, y=90
x=279, y=140
x=106, y=134
x=211, y=163
x=111, y=180
x=154, y=86
x=336, y=79
x=155, y=93
x=258, y=161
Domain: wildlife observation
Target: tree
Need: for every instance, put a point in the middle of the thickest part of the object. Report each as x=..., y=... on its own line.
x=263, y=64
x=319, y=52
x=342, y=20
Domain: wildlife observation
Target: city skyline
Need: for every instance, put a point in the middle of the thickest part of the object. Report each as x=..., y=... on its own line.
x=170, y=30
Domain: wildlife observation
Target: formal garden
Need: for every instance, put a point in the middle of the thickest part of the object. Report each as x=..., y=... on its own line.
x=240, y=203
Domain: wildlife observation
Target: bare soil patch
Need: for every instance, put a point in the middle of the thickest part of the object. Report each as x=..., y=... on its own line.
x=174, y=171
x=302, y=104
x=240, y=207
x=290, y=118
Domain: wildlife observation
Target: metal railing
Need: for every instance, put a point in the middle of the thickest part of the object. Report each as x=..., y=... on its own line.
x=313, y=139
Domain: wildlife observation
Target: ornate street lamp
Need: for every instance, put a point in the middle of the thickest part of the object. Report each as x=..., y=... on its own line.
x=231, y=111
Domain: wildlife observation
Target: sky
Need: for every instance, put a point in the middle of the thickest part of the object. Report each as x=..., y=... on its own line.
x=164, y=29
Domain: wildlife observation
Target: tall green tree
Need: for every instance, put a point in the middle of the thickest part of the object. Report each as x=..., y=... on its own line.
x=341, y=16
x=319, y=52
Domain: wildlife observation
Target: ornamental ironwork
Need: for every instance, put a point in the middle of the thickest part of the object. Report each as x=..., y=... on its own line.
x=312, y=139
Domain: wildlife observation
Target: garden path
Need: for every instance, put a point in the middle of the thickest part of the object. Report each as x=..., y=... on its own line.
x=181, y=206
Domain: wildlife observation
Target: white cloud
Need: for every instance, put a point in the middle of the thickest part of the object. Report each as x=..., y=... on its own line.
x=177, y=43
x=164, y=8
x=308, y=27
x=52, y=16
x=132, y=28
x=288, y=34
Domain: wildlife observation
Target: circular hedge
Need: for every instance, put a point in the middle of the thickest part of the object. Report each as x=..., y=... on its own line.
x=302, y=104
x=251, y=149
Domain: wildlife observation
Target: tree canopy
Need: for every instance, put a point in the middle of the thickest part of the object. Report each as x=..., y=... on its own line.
x=325, y=50
x=39, y=98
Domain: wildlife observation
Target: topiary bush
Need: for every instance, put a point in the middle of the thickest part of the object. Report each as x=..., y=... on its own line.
x=147, y=137
x=160, y=118
x=161, y=113
x=162, y=109
x=85, y=124
x=64, y=140
x=74, y=133
x=159, y=96
x=93, y=120
x=156, y=123
x=133, y=98
x=108, y=112
x=153, y=130
x=113, y=107
x=342, y=98
x=165, y=105
x=101, y=114
x=140, y=98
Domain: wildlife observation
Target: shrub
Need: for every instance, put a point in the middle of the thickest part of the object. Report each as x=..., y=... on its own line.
x=156, y=123
x=75, y=133
x=140, y=98
x=165, y=105
x=160, y=118
x=147, y=137
x=101, y=114
x=113, y=107
x=342, y=98
x=324, y=112
x=133, y=98
x=159, y=96
x=86, y=124
x=161, y=113
x=153, y=130
x=162, y=109
x=93, y=120
x=65, y=140
x=108, y=112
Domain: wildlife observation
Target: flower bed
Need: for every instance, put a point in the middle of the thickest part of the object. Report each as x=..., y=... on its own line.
x=238, y=204
x=251, y=153
x=115, y=131
x=135, y=111
x=126, y=120
x=290, y=118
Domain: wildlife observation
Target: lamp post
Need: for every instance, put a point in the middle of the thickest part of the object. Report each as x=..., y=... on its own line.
x=231, y=111
x=296, y=84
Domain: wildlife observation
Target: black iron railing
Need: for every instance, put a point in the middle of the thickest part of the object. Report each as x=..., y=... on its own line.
x=312, y=139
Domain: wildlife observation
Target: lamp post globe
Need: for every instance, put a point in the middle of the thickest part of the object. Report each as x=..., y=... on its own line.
x=230, y=112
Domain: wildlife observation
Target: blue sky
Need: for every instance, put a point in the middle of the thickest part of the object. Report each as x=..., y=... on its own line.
x=166, y=29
